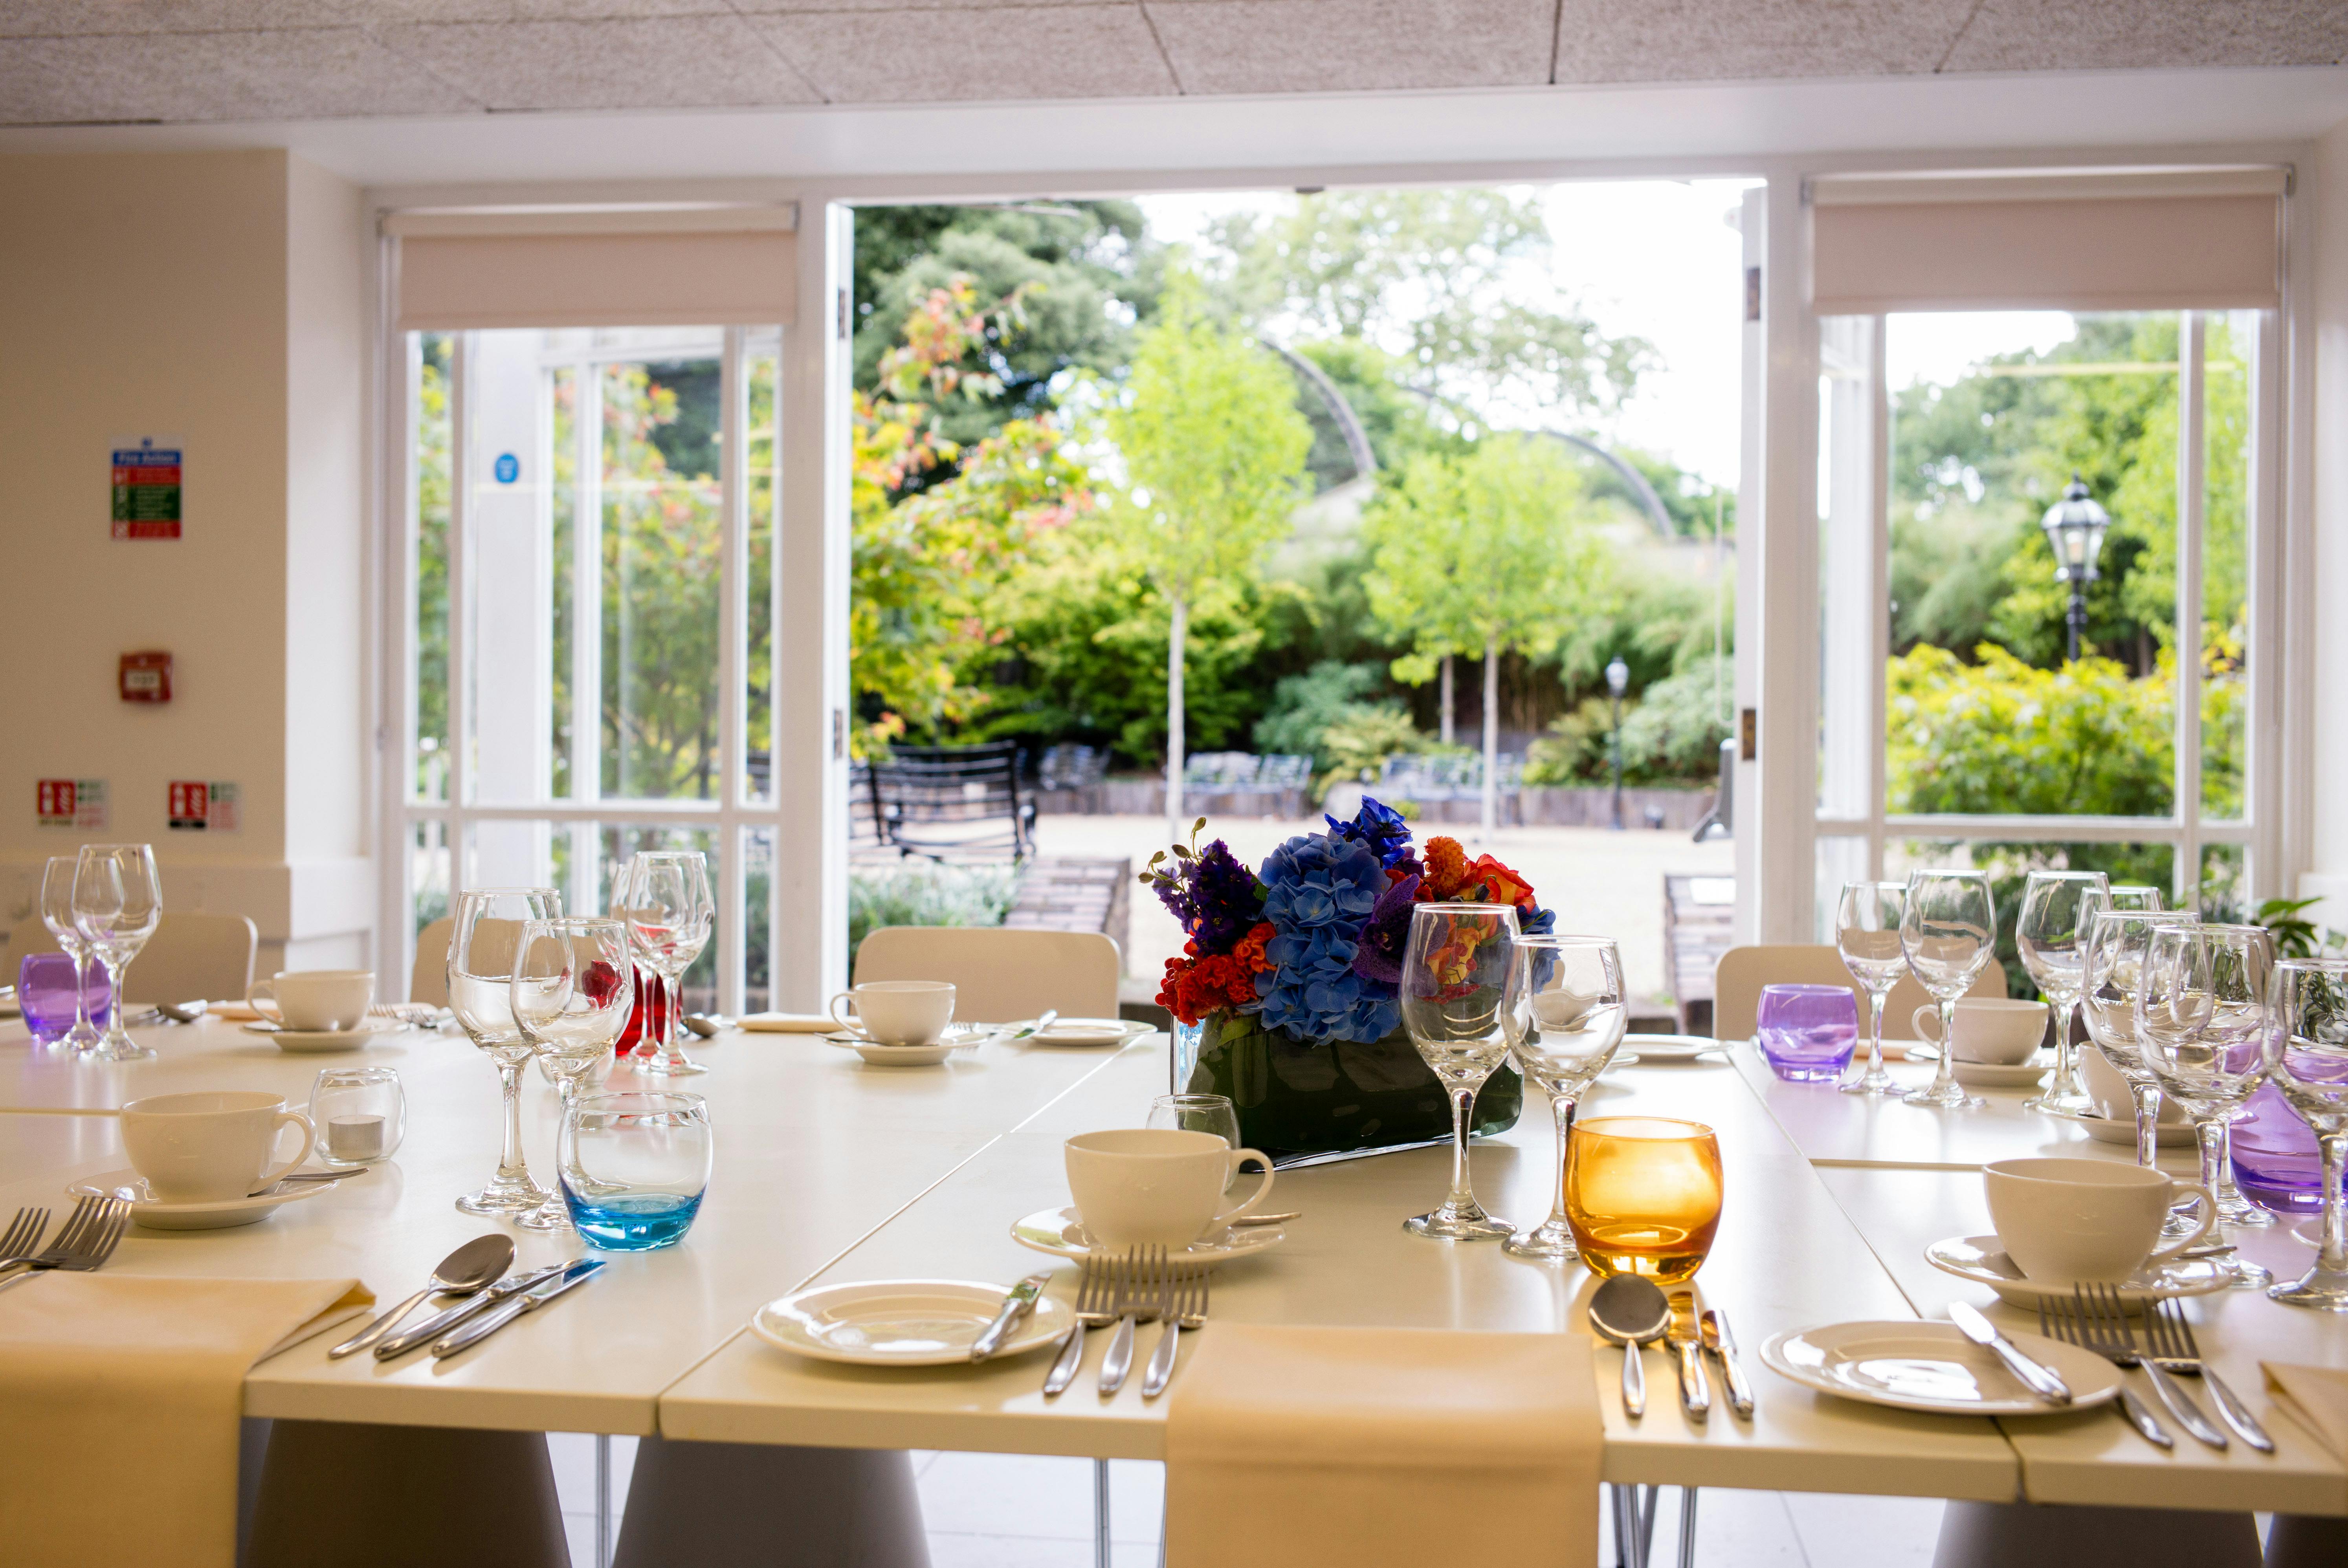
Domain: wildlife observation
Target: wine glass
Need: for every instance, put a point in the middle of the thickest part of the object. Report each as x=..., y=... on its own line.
x=1455, y=972
x=2050, y=933
x=57, y=915
x=1564, y=1013
x=2306, y=1053
x=1948, y=933
x=2200, y=1026
x=571, y=990
x=2108, y=982
x=116, y=901
x=485, y=938
x=2136, y=897
x=1867, y=935
x=663, y=898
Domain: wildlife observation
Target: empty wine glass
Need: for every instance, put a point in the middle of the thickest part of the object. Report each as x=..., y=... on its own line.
x=57, y=915
x=663, y=898
x=2201, y=1027
x=2306, y=1051
x=1455, y=973
x=1564, y=1014
x=485, y=939
x=2051, y=934
x=2108, y=983
x=1948, y=933
x=1867, y=935
x=116, y=901
x=571, y=992
x=2137, y=898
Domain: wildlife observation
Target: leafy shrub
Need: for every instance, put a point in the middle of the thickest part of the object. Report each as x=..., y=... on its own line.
x=921, y=894
x=1674, y=732
x=1573, y=749
x=1358, y=744
x=1305, y=707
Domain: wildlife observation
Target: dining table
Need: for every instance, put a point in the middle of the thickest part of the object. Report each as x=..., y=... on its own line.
x=827, y=1171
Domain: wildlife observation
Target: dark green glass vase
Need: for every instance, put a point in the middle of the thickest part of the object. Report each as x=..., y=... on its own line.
x=1298, y=1099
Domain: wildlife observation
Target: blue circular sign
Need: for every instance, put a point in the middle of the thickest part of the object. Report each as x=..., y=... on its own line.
x=507, y=467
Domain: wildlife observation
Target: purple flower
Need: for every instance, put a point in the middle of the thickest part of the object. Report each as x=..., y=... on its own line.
x=1215, y=897
x=1378, y=950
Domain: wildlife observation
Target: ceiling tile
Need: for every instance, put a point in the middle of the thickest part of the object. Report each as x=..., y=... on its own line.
x=2097, y=35
x=392, y=11
x=680, y=62
x=301, y=74
x=21, y=18
x=1008, y=52
x=1700, y=40
x=1353, y=46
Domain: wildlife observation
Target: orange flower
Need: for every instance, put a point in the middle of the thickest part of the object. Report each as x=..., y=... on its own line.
x=1249, y=955
x=1446, y=871
x=1498, y=884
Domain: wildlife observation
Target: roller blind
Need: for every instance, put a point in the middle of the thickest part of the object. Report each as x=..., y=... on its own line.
x=713, y=267
x=2200, y=238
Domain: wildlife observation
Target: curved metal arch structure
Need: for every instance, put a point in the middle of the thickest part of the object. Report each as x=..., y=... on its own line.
x=1649, y=502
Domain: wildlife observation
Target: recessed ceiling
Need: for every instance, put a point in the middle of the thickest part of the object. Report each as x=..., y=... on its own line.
x=80, y=62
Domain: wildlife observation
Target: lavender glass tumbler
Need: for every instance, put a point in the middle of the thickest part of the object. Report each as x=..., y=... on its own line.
x=1807, y=1033
x=2276, y=1161
x=45, y=989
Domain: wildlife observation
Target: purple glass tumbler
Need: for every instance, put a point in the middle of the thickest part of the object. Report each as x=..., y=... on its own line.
x=1807, y=1033
x=2276, y=1163
x=45, y=989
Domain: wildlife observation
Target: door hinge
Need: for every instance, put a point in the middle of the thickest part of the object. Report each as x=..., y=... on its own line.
x=1752, y=293
x=838, y=734
x=843, y=315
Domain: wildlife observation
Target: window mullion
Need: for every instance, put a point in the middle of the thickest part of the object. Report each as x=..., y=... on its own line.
x=460, y=604
x=2191, y=498
x=586, y=628
x=733, y=656
x=1878, y=599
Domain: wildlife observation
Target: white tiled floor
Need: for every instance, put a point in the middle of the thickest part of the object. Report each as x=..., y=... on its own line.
x=1012, y=1510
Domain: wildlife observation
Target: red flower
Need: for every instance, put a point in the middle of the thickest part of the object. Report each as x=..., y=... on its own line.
x=1249, y=953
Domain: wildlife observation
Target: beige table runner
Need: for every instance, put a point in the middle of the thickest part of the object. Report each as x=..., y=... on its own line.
x=119, y=1397
x=1357, y=1448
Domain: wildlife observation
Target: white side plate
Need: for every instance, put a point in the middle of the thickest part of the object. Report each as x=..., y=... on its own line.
x=1059, y=1233
x=902, y=1322
x=1982, y=1261
x=220, y=1214
x=1918, y=1365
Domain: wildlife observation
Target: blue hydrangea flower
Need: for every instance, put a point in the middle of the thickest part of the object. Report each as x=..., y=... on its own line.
x=1319, y=890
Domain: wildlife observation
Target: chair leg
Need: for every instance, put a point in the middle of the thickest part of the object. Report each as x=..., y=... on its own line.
x=1687, y=1527
x=1100, y=1514
x=602, y=1500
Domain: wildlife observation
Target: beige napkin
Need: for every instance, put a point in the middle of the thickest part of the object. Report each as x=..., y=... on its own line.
x=119, y=1397
x=789, y=1022
x=2314, y=1396
x=1356, y=1448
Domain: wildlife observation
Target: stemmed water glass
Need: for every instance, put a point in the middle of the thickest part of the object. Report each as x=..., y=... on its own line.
x=572, y=987
x=2117, y=943
x=2051, y=934
x=2306, y=1052
x=1564, y=1013
x=2200, y=1026
x=116, y=901
x=1948, y=933
x=663, y=898
x=57, y=915
x=2135, y=896
x=484, y=940
x=1455, y=974
x=1867, y=935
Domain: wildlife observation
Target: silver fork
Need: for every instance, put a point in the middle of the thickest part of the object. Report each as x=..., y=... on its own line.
x=2106, y=1318
x=1096, y=1308
x=23, y=1237
x=1182, y=1305
x=1135, y=1301
x=90, y=1234
x=2169, y=1337
x=2059, y=1319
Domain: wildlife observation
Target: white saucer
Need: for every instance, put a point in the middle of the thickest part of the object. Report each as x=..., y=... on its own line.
x=1918, y=1366
x=902, y=1322
x=1061, y=1233
x=312, y=1041
x=1982, y=1260
x=220, y=1214
x=1081, y=1031
x=1674, y=1047
x=883, y=1055
x=1998, y=1075
x=2111, y=1130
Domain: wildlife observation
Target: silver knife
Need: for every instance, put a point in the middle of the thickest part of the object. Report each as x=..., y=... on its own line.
x=439, y=1323
x=2039, y=1379
x=1719, y=1340
x=1018, y=1305
x=489, y=1323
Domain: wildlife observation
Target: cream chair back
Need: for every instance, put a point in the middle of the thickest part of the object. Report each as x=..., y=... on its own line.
x=1737, y=980
x=427, y=981
x=998, y=973
x=191, y=954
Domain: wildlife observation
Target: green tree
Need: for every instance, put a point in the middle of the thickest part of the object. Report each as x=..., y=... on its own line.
x=1213, y=452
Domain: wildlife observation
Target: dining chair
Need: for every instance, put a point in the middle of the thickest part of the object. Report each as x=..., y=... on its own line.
x=193, y=953
x=1000, y=973
x=1743, y=971
x=427, y=981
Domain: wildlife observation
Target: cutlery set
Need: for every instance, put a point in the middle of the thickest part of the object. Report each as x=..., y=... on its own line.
x=1124, y=1290
x=90, y=1234
x=489, y=1299
x=2095, y=1319
x=1633, y=1312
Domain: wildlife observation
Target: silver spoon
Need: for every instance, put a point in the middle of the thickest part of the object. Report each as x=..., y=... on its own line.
x=1629, y=1311
x=707, y=1025
x=479, y=1262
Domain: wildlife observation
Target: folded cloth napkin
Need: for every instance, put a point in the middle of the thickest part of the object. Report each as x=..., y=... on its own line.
x=2314, y=1396
x=237, y=1010
x=789, y=1022
x=120, y=1399
x=1358, y=1448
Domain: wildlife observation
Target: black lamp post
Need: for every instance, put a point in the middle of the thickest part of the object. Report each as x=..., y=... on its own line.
x=1618, y=680
x=2074, y=529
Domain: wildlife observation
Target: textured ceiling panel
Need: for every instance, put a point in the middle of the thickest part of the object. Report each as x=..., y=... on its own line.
x=1701, y=40
x=25, y=17
x=683, y=62
x=2088, y=34
x=1003, y=52
x=307, y=73
x=1342, y=46
x=390, y=11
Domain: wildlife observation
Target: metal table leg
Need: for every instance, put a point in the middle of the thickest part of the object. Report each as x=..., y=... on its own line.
x=1100, y=1514
x=1687, y=1527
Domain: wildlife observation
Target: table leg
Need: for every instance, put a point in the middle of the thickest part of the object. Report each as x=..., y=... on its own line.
x=1687, y=1527
x=1100, y=1514
x=602, y=1500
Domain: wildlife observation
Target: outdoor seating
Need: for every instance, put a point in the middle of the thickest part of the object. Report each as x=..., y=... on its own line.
x=946, y=803
x=1079, y=769
x=1435, y=777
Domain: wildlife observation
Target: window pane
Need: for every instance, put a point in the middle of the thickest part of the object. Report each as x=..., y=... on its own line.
x=562, y=463
x=763, y=467
x=2230, y=353
x=618, y=842
x=759, y=876
x=428, y=485
x=2009, y=867
x=1839, y=860
x=2225, y=883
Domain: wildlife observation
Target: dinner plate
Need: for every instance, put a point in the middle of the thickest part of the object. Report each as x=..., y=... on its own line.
x=219, y=1214
x=1920, y=1365
x=311, y=1042
x=1080, y=1032
x=902, y=1322
x=2118, y=1130
x=1061, y=1233
x=1999, y=1075
x=1981, y=1259
x=1673, y=1046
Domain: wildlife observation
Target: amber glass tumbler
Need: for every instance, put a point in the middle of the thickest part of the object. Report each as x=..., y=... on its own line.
x=1642, y=1195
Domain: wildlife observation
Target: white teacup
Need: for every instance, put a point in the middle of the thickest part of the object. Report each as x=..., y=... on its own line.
x=2065, y=1220
x=318, y=999
x=2109, y=1094
x=1998, y=1030
x=1156, y=1187
x=896, y=1012
x=209, y=1146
